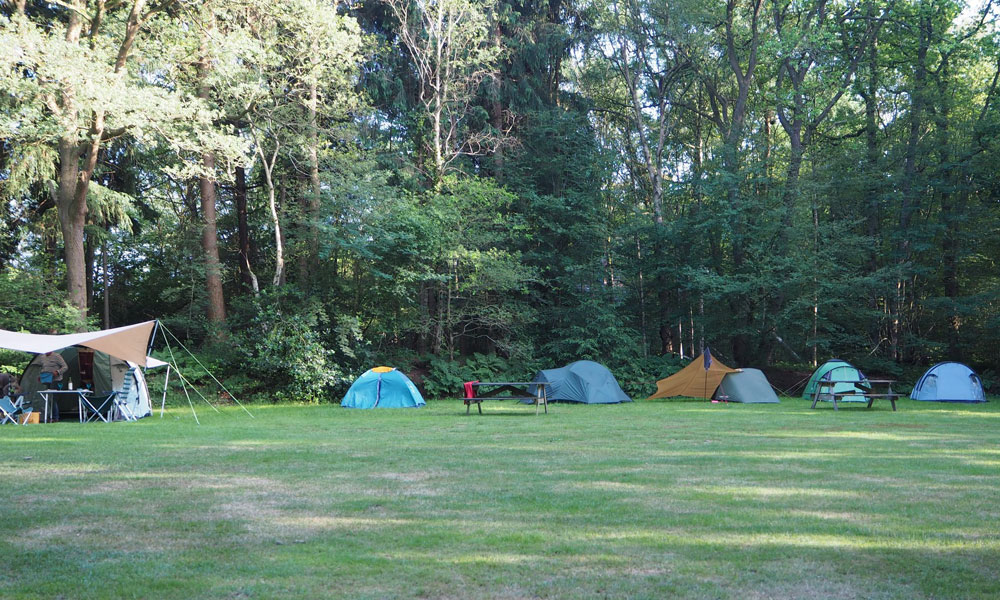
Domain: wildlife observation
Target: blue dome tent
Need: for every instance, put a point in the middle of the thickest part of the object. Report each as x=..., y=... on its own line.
x=382, y=387
x=949, y=382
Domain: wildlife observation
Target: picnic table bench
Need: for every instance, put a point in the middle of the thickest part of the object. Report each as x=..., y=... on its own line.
x=828, y=386
x=505, y=390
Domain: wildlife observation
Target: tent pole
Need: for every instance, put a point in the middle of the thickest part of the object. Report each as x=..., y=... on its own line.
x=152, y=336
x=166, y=382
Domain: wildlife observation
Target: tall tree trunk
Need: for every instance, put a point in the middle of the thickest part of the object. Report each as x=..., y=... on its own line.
x=731, y=165
x=247, y=276
x=107, y=286
x=280, y=276
x=72, y=217
x=555, y=70
x=272, y=205
x=216, y=309
x=951, y=207
x=89, y=252
x=309, y=257
x=872, y=151
x=496, y=111
x=909, y=192
x=881, y=328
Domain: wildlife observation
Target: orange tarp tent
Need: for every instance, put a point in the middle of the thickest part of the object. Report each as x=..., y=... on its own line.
x=693, y=380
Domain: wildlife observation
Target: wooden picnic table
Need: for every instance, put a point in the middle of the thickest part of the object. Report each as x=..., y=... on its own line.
x=829, y=386
x=507, y=390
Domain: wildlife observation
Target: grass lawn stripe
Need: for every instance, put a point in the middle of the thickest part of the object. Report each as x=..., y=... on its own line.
x=643, y=500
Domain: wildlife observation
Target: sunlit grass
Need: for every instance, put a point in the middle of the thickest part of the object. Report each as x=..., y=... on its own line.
x=647, y=500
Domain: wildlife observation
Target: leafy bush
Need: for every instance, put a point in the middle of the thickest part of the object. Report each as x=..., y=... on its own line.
x=444, y=378
x=989, y=378
x=282, y=346
x=29, y=302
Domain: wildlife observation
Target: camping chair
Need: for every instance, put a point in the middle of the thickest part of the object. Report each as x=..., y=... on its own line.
x=120, y=399
x=10, y=411
x=114, y=405
x=100, y=408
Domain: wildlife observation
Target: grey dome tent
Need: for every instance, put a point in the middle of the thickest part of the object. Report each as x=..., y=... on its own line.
x=748, y=386
x=949, y=382
x=583, y=381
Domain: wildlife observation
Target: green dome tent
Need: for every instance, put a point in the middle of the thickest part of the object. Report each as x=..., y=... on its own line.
x=95, y=370
x=583, y=381
x=837, y=370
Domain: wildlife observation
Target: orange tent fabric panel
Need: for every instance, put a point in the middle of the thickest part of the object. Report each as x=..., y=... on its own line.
x=693, y=381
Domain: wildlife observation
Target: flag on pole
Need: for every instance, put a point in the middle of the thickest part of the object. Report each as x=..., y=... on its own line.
x=708, y=358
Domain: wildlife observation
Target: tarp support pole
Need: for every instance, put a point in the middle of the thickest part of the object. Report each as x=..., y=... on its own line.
x=152, y=336
x=166, y=382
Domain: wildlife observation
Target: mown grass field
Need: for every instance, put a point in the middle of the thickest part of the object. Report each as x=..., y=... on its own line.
x=647, y=500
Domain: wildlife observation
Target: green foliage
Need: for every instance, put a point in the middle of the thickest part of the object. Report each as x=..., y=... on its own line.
x=32, y=303
x=281, y=344
x=605, y=181
x=444, y=379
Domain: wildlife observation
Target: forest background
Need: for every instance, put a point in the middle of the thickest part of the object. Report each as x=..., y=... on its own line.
x=472, y=189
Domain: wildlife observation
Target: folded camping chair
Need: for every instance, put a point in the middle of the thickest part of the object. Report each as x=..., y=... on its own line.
x=10, y=411
x=121, y=398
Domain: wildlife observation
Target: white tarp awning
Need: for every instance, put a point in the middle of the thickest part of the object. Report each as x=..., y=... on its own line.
x=127, y=343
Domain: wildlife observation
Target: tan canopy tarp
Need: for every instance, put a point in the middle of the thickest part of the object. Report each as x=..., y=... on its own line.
x=693, y=380
x=126, y=343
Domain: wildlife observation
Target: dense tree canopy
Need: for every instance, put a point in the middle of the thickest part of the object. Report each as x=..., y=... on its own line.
x=476, y=187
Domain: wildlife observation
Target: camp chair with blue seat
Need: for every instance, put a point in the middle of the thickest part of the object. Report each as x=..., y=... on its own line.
x=11, y=410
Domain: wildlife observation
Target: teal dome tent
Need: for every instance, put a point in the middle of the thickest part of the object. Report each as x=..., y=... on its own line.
x=583, y=381
x=844, y=376
x=382, y=387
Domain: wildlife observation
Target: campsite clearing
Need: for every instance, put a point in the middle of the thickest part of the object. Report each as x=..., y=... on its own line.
x=641, y=500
